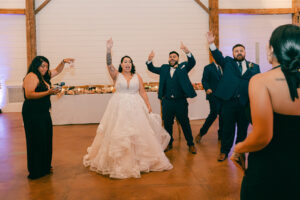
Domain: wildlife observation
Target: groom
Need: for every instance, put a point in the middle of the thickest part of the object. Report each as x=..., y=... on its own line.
x=174, y=87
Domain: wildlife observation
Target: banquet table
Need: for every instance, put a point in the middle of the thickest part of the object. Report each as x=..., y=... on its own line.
x=89, y=108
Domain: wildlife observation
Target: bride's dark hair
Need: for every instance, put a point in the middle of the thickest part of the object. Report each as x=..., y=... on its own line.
x=132, y=67
x=285, y=41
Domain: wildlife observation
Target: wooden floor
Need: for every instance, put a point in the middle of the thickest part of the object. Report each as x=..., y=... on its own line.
x=197, y=176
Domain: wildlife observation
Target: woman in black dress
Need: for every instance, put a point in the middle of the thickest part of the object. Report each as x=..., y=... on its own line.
x=36, y=115
x=274, y=144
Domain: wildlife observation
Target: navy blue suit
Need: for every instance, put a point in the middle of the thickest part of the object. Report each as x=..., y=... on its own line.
x=211, y=77
x=210, y=80
x=233, y=90
x=233, y=84
x=173, y=92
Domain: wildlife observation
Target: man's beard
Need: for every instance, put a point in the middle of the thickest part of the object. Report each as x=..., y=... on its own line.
x=238, y=58
x=176, y=63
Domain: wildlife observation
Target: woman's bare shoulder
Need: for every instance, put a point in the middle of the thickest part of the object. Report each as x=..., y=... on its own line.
x=31, y=76
x=269, y=76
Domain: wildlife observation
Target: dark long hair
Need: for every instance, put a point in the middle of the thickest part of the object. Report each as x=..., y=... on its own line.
x=285, y=41
x=35, y=64
x=132, y=65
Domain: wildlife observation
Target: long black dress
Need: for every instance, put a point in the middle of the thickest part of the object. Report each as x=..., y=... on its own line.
x=38, y=130
x=274, y=172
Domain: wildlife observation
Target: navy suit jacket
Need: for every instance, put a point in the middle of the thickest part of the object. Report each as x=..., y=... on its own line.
x=211, y=77
x=232, y=80
x=181, y=71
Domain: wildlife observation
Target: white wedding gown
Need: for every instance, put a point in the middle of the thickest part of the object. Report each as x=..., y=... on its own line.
x=129, y=140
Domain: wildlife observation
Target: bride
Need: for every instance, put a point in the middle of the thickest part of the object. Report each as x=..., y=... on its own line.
x=130, y=138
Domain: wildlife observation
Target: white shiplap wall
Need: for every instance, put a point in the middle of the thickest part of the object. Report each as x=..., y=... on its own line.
x=12, y=52
x=12, y=49
x=80, y=30
x=12, y=4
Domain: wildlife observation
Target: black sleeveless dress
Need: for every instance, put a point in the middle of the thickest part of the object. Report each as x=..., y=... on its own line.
x=38, y=130
x=274, y=172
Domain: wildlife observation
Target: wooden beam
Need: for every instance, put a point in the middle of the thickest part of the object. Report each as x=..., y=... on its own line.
x=296, y=4
x=296, y=15
x=258, y=11
x=41, y=6
x=296, y=19
x=13, y=11
x=214, y=21
x=202, y=5
x=30, y=30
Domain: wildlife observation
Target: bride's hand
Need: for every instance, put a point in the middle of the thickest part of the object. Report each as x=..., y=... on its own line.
x=109, y=44
x=150, y=109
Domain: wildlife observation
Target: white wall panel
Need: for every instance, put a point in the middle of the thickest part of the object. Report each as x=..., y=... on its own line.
x=12, y=4
x=79, y=29
x=12, y=52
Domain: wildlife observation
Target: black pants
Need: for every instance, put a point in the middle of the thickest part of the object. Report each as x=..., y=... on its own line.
x=38, y=130
x=233, y=113
x=215, y=109
x=178, y=108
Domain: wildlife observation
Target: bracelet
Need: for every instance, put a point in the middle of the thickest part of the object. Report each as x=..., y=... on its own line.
x=63, y=61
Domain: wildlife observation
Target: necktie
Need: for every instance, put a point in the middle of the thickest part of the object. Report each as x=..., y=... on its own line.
x=219, y=70
x=240, y=67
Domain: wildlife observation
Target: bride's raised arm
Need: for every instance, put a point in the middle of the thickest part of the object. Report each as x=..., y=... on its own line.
x=111, y=69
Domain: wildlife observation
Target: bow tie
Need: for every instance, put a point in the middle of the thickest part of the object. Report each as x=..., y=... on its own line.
x=175, y=66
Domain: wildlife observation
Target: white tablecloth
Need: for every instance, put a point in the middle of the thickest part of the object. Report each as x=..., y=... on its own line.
x=89, y=108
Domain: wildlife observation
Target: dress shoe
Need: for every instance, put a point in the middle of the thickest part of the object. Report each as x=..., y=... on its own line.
x=192, y=149
x=169, y=147
x=239, y=159
x=198, y=138
x=222, y=157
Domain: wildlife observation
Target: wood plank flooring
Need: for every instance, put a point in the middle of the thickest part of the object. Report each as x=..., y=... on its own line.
x=197, y=176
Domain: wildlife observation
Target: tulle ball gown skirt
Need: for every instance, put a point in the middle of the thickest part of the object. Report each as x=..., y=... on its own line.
x=128, y=140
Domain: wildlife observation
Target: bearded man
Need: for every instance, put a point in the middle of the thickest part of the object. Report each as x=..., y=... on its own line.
x=174, y=89
x=233, y=91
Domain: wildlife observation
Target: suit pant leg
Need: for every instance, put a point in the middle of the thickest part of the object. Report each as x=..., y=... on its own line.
x=228, y=113
x=182, y=116
x=220, y=131
x=168, y=115
x=213, y=105
x=242, y=124
x=219, y=108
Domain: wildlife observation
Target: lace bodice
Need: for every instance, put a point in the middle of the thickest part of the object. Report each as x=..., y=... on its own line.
x=124, y=86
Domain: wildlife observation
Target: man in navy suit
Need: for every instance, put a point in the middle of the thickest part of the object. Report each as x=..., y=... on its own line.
x=210, y=80
x=233, y=91
x=174, y=88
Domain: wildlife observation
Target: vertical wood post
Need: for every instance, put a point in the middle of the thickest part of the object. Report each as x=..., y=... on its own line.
x=214, y=21
x=30, y=30
x=296, y=15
